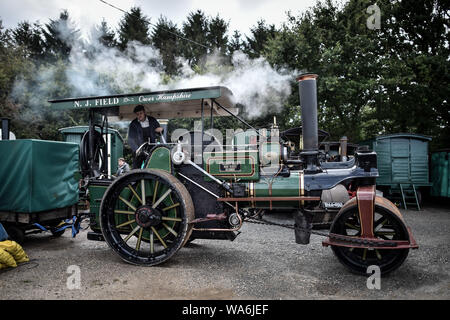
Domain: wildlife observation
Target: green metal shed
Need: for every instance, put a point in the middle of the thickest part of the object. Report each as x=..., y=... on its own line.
x=440, y=173
x=115, y=141
x=402, y=160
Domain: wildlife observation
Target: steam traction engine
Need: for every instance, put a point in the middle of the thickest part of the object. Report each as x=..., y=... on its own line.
x=184, y=191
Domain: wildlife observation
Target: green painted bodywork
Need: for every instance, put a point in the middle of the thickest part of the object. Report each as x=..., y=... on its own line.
x=96, y=193
x=160, y=159
x=232, y=165
x=268, y=186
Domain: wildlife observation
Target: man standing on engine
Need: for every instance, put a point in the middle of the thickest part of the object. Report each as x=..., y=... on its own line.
x=142, y=129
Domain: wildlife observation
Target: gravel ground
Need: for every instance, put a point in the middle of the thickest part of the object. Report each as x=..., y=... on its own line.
x=262, y=263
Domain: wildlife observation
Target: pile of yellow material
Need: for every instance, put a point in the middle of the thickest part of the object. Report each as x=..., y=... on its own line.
x=11, y=253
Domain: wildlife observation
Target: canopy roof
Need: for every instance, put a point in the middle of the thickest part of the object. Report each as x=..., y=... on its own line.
x=182, y=103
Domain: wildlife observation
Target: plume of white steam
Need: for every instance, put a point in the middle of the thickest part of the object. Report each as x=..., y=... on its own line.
x=94, y=69
x=102, y=71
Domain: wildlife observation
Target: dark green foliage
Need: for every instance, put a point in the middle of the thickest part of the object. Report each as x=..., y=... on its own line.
x=29, y=37
x=371, y=82
x=134, y=26
x=196, y=29
x=217, y=34
x=260, y=35
x=235, y=43
x=164, y=38
x=104, y=35
x=59, y=37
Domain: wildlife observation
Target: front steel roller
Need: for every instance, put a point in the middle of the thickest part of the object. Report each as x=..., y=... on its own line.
x=387, y=225
x=145, y=216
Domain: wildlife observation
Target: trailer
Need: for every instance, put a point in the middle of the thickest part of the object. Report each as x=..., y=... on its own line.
x=39, y=186
x=403, y=166
x=194, y=186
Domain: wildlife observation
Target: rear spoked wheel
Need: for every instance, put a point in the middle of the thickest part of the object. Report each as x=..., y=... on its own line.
x=145, y=216
x=387, y=226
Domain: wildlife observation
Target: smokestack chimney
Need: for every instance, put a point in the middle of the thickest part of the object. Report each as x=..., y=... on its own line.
x=5, y=129
x=308, y=102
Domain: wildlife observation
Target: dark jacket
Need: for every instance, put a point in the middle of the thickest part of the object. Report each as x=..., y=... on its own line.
x=136, y=135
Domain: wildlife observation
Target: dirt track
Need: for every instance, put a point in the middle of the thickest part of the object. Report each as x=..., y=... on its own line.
x=262, y=263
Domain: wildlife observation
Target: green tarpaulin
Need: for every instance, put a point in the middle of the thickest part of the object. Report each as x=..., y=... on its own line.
x=37, y=175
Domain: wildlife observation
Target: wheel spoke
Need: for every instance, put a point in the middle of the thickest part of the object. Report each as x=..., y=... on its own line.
x=123, y=211
x=171, y=207
x=126, y=223
x=171, y=219
x=170, y=229
x=135, y=194
x=138, y=244
x=152, y=243
x=155, y=204
x=385, y=233
x=364, y=254
x=159, y=237
x=378, y=254
x=155, y=191
x=132, y=232
x=378, y=225
x=143, y=191
x=352, y=226
x=127, y=203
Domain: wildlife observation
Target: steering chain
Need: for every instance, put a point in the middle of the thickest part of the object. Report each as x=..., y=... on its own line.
x=283, y=225
x=329, y=235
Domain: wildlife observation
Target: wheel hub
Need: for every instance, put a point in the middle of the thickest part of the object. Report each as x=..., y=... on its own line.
x=146, y=216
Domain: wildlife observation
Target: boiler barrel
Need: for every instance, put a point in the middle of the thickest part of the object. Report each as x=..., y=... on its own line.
x=282, y=187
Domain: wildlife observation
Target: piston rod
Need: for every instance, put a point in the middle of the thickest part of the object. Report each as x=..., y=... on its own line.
x=222, y=183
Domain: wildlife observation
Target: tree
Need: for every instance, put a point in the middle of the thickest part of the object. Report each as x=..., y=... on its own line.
x=104, y=35
x=59, y=37
x=217, y=34
x=29, y=37
x=12, y=63
x=260, y=34
x=196, y=29
x=372, y=82
x=331, y=43
x=415, y=80
x=165, y=38
x=134, y=26
x=235, y=43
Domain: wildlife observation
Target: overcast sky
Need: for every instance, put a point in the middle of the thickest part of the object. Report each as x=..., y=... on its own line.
x=241, y=14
